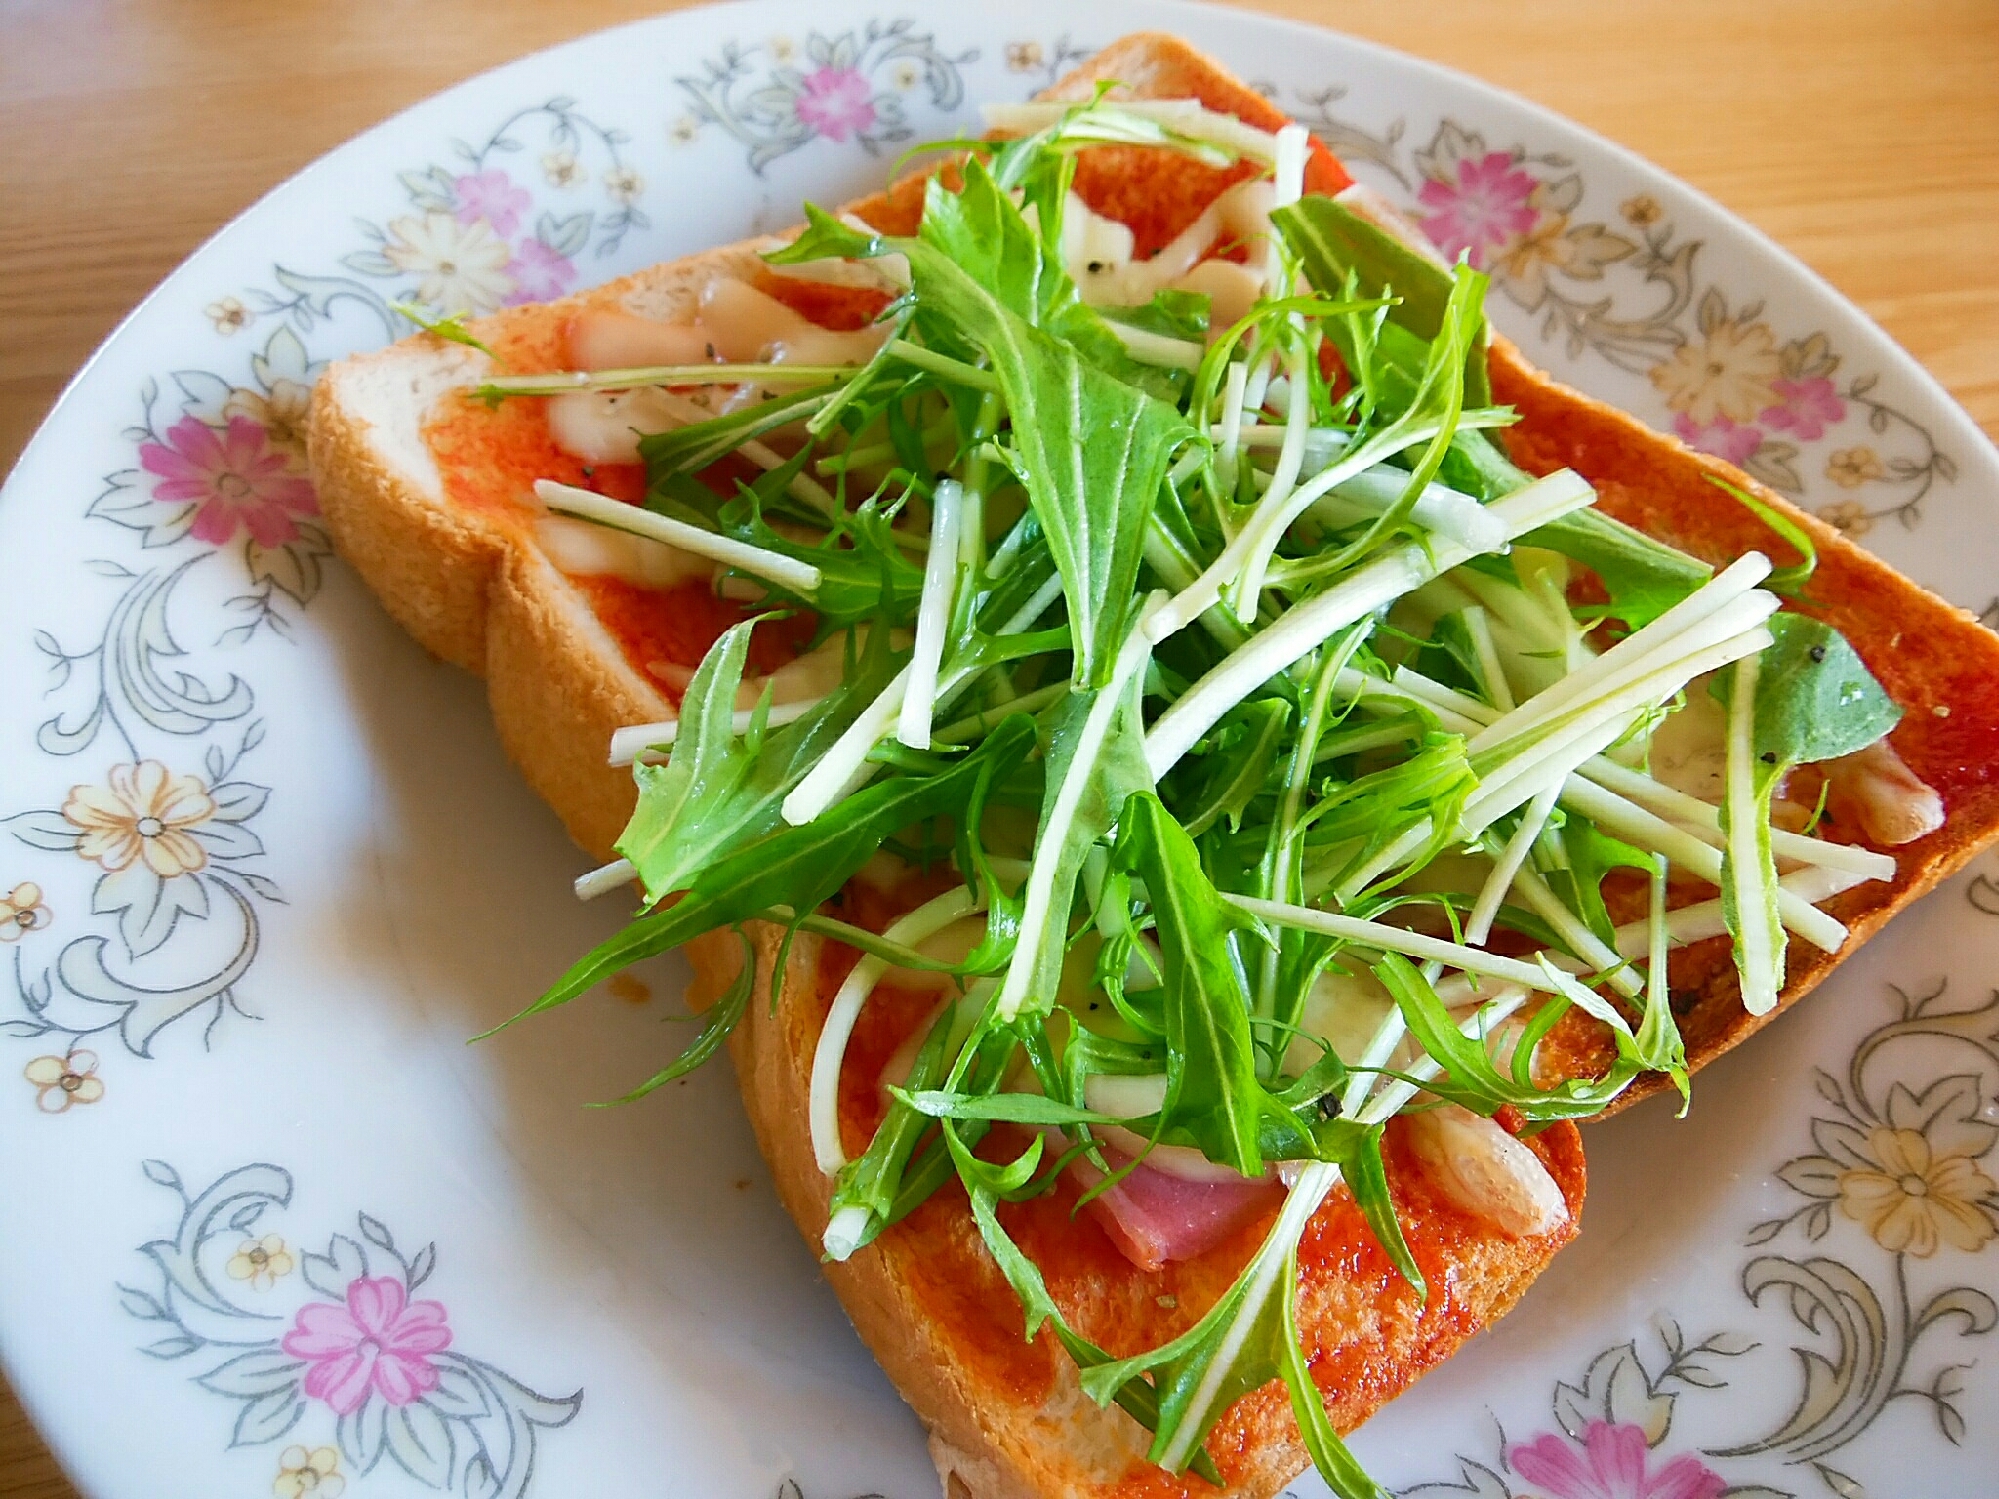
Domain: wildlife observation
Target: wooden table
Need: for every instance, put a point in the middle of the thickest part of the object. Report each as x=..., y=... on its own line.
x=1862, y=134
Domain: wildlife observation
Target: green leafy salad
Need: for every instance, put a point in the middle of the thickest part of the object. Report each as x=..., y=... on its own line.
x=1224, y=666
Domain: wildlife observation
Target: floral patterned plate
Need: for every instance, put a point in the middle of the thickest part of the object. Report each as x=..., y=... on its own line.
x=272, y=1225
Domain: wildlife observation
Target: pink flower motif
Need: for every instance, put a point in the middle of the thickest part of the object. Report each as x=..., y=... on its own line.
x=1806, y=407
x=1721, y=437
x=234, y=477
x=377, y=1341
x=493, y=197
x=539, y=273
x=835, y=101
x=1486, y=210
x=1613, y=1464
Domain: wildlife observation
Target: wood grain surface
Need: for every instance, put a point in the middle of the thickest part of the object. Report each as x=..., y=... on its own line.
x=1861, y=134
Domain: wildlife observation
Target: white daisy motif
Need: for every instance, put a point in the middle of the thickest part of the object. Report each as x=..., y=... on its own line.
x=463, y=266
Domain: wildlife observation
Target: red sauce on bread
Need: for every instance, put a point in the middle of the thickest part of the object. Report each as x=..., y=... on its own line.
x=1386, y=1337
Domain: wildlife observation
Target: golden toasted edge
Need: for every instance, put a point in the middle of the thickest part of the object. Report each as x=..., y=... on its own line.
x=1718, y=1021
x=464, y=589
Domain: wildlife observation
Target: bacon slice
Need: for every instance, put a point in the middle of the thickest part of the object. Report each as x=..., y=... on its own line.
x=1153, y=1216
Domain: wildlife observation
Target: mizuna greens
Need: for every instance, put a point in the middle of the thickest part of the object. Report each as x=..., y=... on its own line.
x=1229, y=669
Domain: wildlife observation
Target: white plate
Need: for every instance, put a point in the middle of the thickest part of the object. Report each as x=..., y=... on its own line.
x=257, y=1024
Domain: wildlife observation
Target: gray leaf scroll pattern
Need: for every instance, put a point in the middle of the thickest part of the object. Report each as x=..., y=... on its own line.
x=1624, y=284
x=1853, y=1319
x=155, y=847
x=331, y=1351
x=779, y=94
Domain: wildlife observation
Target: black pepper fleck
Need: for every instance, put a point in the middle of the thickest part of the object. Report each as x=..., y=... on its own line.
x=1817, y=653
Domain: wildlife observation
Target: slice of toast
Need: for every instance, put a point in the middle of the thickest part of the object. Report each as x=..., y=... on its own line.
x=425, y=495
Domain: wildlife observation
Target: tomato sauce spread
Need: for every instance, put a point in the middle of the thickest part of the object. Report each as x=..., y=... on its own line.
x=1367, y=1334
x=1945, y=679
x=490, y=457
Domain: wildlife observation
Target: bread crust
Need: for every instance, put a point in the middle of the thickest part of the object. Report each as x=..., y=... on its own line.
x=1932, y=657
x=1011, y=1421
x=1008, y=1419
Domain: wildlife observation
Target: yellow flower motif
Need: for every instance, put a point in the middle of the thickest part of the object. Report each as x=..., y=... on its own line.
x=22, y=912
x=562, y=169
x=144, y=813
x=262, y=1262
x=1525, y=262
x=905, y=75
x=228, y=315
x=463, y=266
x=1917, y=1199
x=782, y=49
x=1023, y=57
x=62, y=1081
x=683, y=130
x=1850, y=468
x=281, y=413
x=1848, y=517
x=1642, y=211
x=1728, y=372
x=623, y=184
x=315, y=1473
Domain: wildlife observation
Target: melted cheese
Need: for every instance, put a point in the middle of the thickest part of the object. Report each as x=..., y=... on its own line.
x=749, y=326
x=736, y=323
x=581, y=550
x=1346, y=1009
x=1689, y=747
x=1097, y=251
x=606, y=338
x=604, y=426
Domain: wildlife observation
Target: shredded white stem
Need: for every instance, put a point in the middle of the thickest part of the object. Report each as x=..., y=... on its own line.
x=786, y=572
x=1157, y=349
x=1706, y=918
x=1704, y=819
x=1575, y=932
x=1184, y=117
x=1480, y=1025
x=1382, y=937
x=844, y=767
x=1655, y=948
x=1480, y=629
x=823, y=1093
x=802, y=486
x=1288, y=186
x=1263, y=1281
x=1703, y=604
x=1235, y=389
x=933, y=615
x=1039, y=920
x=1759, y=940
x=1304, y=626
x=1493, y=894
x=1593, y=729
x=1247, y=589
x=1614, y=813
x=605, y=878
x=636, y=742
x=1466, y=715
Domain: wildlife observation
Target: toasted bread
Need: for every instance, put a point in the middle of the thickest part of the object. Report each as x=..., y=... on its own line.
x=424, y=494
